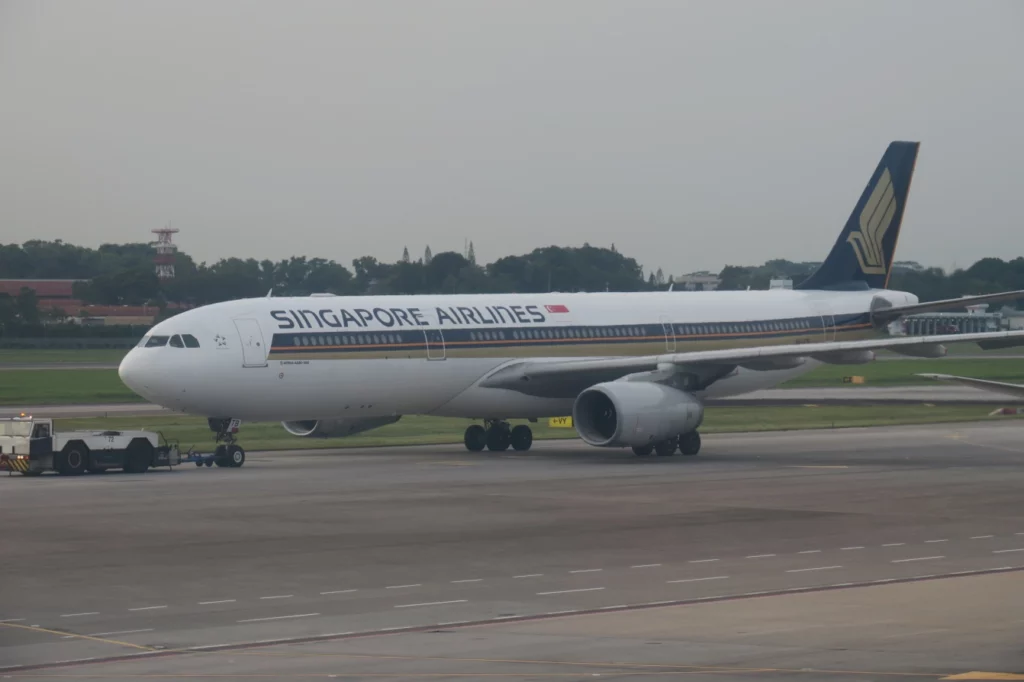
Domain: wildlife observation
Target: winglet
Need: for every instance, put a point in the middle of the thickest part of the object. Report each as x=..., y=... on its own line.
x=862, y=256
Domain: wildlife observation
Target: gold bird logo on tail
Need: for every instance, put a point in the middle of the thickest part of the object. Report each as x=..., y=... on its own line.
x=875, y=220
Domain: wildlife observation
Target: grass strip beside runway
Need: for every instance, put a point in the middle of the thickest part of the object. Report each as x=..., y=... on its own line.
x=436, y=430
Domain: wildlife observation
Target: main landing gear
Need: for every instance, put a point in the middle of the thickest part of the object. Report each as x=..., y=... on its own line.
x=497, y=435
x=688, y=444
x=227, y=453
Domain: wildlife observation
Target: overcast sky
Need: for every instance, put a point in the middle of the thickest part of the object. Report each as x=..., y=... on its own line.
x=691, y=134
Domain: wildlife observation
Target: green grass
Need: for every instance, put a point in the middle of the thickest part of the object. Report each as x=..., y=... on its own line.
x=60, y=356
x=62, y=387
x=434, y=430
x=83, y=386
x=902, y=372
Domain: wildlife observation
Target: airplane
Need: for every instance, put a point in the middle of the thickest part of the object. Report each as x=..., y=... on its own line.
x=633, y=369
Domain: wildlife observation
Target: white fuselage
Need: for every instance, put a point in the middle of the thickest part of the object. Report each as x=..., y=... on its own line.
x=323, y=357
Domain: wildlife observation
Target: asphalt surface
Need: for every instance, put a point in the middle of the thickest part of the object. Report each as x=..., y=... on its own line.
x=872, y=551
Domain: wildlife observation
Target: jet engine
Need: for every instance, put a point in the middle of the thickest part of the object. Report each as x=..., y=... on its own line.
x=335, y=428
x=634, y=413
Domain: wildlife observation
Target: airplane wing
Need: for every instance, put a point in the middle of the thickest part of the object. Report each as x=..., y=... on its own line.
x=984, y=384
x=886, y=315
x=565, y=378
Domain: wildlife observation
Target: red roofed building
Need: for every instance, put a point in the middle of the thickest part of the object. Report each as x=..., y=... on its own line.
x=44, y=288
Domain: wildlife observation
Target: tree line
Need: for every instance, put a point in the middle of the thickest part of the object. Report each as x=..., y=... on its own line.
x=123, y=274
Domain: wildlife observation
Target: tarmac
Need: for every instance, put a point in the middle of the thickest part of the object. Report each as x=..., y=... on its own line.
x=860, y=554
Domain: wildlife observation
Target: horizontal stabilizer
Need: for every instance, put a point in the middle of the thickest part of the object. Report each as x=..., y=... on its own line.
x=886, y=315
x=984, y=384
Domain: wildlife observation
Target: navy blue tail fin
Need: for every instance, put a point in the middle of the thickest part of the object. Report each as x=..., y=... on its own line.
x=862, y=256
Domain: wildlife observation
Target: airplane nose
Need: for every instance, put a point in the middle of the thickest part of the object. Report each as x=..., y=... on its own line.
x=128, y=370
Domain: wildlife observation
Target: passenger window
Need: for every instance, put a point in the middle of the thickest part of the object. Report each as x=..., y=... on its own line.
x=190, y=341
x=156, y=341
x=176, y=342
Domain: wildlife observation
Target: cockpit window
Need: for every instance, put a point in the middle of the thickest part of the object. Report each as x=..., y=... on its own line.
x=156, y=341
x=190, y=341
x=176, y=342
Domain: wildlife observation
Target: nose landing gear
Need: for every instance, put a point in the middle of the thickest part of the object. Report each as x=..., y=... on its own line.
x=227, y=453
x=497, y=435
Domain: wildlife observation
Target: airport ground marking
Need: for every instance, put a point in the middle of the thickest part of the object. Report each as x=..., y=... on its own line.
x=919, y=558
x=278, y=596
x=217, y=601
x=702, y=561
x=76, y=615
x=646, y=566
x=579, y=589
x=107, y=634
x=698, y=580
x=847, y=549
x=13, y=620
x=588, y=570
x=260, y=620
x=149, y=608
x=402, y=587
x=431, y=603
x=759, y=556
x=527, y=575
x=1007, y=551
x=816, y=568
x=153, y=652
x=931, y=542
x=894, y=544
x=810, y=551
x=982, y=537
x=338, y=592
x=468, y=580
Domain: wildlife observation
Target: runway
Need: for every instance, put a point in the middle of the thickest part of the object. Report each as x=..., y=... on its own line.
x=885, y=551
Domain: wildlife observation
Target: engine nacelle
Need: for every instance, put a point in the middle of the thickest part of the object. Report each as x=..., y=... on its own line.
x=634, y=413
x=921, y=350
x=335, y=428
x=846, y=357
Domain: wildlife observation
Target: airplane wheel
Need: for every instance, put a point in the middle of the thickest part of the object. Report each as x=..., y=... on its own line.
x=475, y=438
x=689, y=443
x=642, y=450
x=522, y=437
x=666, y=448
x=498, y=438
x=220, y=456
x=236, y=456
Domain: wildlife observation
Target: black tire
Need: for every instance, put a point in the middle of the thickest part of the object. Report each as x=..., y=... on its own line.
x=475, y=438
x=138, y=456
x=220, y=456
x=236, y=456
x=199, y=462
x=498, y=438
x=689, y=443
x=643, y=450
x=72, y=460
x=666, y=448
x=209, y=462
x=521, y=437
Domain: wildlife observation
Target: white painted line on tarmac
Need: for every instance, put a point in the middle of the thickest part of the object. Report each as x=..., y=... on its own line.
x=588, y=570
x=982, y=537
x=810, y=551
x=581, y=589
x=431, y=603
x=816, y=568
x=1005, y=551
x=468, y=580
x=919, y=558
x=759, y=556
x=148, y=608
x=217, y=601
x=646, y=566
x=260, y=620
x=894, y=544
x=929, y=542
x=558, y=613
x=401, y=587
x=12, y=620
x=527, y=575
x=107, y=634
x=339, y=592
x=279, y=596
x=847, y=549
x=76, y=615
x=453, y=622
x=702, y=561
x=698, y=580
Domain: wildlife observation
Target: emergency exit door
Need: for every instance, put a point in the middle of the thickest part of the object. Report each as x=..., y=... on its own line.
x=254, y=352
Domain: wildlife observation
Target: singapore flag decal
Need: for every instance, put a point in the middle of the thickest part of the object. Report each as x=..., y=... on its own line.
x=556, y=308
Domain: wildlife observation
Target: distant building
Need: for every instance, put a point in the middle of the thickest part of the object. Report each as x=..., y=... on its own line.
x=780, y=284
x=58, y=294
x=697, y=281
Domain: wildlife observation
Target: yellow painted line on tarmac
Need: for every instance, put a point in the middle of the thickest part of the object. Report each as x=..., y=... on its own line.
x=116, y=642
x=977, y=675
